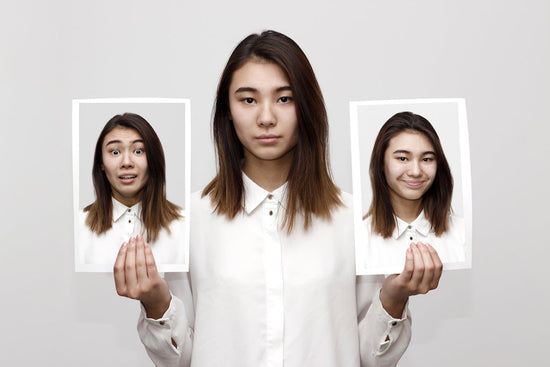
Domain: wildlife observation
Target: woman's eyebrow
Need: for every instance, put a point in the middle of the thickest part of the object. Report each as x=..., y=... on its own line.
x=245, y=89
x=113, y=142
x=403, y=151
x=250, y=89
x=286, y=87
x=119, y=141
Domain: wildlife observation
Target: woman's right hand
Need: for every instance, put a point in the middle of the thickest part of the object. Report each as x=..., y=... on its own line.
x=136, y=277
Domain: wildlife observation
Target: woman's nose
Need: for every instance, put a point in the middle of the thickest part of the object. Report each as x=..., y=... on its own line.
x=127, y=160
x=267, y=116
x=414, y=168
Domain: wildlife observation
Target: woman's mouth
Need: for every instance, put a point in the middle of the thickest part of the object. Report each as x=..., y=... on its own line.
x=413, y=184
x=267, y=139
x=127, y=179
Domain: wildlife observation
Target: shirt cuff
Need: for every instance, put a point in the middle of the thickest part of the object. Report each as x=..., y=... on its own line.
x=391, y=327
x=164, y=329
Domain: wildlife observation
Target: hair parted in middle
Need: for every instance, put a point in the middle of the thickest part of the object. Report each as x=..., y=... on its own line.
x=436, y=202
x=310, y=189
x=156, y=211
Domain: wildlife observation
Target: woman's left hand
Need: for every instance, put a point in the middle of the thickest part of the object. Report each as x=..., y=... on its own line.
x=421, y=274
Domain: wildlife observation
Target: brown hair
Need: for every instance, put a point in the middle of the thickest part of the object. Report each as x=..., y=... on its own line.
x=436, y=202
x=156, y=211
x=310, y=189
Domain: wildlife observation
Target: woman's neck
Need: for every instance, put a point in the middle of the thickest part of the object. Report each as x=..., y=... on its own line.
x=269, y=175
x=407, y=210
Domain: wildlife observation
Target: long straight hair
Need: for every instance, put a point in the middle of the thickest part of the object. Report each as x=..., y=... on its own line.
x=310, y=189
x=436, y=202
x=156, y=211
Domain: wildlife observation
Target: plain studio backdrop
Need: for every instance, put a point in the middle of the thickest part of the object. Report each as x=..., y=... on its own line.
x=495, y=54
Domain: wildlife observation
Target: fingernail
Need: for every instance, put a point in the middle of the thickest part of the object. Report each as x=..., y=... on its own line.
x=124, y=244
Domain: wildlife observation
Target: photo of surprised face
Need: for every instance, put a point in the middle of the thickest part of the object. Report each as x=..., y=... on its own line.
x=124, y=162
x=129, y=186
x=405, y=191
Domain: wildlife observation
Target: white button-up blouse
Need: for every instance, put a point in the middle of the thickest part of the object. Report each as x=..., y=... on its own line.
x=387, y=255
x=98, y=252
x=256, y=296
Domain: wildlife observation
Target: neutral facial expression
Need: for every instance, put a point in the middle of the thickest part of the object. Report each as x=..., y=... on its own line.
x=263, y=111
x=125, y=164
x=409, y=165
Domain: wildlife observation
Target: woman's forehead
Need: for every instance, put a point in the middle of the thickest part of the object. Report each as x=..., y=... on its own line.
x=410, y=140
x=122, y=134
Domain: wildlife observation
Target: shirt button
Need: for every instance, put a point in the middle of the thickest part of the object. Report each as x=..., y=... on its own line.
x=162, y=322
x=271, y=212
x=270, y=196
x=129, y=221
x=410, y=238
x=409, y=227
x=393, y=323
x=129, y=210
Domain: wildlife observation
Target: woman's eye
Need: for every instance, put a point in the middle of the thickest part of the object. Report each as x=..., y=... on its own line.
x=427, y=159
x=138, y=151
x=115, y=152
x=285, y=99
x=402, y=159
x=248, y=100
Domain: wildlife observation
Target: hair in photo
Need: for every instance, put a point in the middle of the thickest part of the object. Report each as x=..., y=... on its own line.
x=310, y=191
x=156, y=211
x=436, y=202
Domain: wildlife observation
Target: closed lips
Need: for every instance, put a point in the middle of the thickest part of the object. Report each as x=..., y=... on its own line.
x=414, y=183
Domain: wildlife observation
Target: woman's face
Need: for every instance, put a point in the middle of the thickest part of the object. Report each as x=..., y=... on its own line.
x=263, y=112
x=125, y=164
x=410, y=166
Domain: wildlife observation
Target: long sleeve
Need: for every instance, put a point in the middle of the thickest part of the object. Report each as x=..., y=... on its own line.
x=176, y=324
x=382, y=338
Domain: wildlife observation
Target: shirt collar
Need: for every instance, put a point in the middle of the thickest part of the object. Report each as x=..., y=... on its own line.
x=119, y=209
x=254, y=195
x=421, y=225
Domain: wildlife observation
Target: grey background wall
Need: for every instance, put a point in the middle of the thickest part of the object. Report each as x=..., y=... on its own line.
x=496, y=54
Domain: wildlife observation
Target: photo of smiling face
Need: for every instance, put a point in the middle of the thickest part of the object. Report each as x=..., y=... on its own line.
x=409, y=166
x=125, y=164
x=263, y=111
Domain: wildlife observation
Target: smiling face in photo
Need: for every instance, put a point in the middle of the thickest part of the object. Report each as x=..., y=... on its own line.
x=125, y=164
x=409, y=166
x=263, y=111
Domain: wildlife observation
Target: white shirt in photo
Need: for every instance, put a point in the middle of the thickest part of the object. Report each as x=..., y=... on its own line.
x=100, y=251
x=387, y=255
x=256, y=296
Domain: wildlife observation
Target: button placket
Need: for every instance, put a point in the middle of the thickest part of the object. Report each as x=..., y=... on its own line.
x=274, y=283
x=410, y=232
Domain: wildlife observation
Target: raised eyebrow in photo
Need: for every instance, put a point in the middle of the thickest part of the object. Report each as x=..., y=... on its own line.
x=118, y=141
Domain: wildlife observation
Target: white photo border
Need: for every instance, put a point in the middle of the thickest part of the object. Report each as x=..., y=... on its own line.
x=359, y=228
x=76, y=181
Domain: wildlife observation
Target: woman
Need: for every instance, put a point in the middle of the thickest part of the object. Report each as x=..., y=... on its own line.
x=129, y=181
x=272, y=270
x=412, y=190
